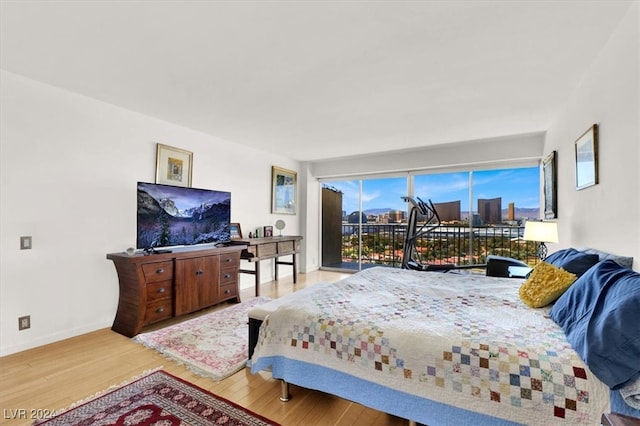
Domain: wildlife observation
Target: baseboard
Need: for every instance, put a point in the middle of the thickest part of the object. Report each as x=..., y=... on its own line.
x=51, y=338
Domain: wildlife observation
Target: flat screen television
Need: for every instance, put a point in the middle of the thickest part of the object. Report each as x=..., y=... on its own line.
x=177, y=216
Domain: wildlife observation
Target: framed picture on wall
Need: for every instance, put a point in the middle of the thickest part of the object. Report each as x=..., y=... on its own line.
x=173, y=166
x=587, y=158
x=549, y=169
x=283, y=191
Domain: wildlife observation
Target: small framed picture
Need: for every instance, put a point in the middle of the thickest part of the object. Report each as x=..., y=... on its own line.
x=550, y=186
x=268, y=231
x=587, y=158
x=173, y=166
x=234, y=231
x=283, y=191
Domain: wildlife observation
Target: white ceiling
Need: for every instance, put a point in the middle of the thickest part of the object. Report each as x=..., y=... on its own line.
x=317, y=79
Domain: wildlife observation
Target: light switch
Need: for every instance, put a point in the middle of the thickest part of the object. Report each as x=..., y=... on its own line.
x=25, y=243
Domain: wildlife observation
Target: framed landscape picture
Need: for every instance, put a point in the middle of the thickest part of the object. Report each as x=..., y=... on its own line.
x=550, y=186
x=173, y=166
x=283, y=191
x=587, y=158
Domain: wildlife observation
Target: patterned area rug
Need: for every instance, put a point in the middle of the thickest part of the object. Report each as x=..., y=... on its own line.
x=213, y=345
x=157, y=399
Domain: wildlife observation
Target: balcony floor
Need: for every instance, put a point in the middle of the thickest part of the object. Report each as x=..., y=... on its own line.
x=351, y=266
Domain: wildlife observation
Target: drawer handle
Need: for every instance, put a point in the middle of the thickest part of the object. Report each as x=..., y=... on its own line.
x=161, y=290
x=199, y=272
x=227, y=275
x=228, y=259
x=160, y=310
x=227, y=291
x=159, y=271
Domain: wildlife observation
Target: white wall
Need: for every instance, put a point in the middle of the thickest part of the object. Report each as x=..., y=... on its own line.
x=604, y=216
x=69, y=168
x=310, y=222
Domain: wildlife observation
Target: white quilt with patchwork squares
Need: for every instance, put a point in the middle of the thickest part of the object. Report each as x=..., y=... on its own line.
x=460, y=339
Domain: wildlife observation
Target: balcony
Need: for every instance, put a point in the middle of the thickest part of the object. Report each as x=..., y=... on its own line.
x=382, y=245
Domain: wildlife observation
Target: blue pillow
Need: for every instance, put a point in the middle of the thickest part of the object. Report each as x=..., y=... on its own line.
x=572, y=260
x=626, y=261
x=600, y=315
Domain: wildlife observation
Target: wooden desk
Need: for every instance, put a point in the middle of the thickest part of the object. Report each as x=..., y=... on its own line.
x=270, y=248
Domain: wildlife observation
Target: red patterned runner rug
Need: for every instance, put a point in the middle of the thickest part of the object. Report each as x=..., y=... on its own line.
x=158, y=398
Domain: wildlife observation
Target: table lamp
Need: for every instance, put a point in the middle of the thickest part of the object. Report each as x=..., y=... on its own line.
x=541, y=232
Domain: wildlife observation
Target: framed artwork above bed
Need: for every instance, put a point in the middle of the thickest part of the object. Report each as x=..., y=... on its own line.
x=587, y=158
x=550, y=186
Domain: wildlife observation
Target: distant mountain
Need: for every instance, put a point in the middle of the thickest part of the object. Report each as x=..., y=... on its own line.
x=378, y=211
x=523, y=213
x=149, y=206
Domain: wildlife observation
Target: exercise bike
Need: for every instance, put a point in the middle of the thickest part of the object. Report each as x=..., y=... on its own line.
x=410, y=255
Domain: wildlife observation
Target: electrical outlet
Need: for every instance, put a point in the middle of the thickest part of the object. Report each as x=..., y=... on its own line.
x=24, y=322
x=25, y=243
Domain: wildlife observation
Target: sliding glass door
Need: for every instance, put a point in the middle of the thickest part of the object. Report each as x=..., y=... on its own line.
x=372, y=217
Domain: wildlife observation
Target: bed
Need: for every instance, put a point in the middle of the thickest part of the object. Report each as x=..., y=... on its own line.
x=447, y=348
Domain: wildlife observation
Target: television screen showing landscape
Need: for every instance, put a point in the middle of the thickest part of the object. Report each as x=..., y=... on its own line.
x=175, y=216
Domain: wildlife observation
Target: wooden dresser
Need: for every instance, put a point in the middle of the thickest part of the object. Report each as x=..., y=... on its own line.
x=165, y=285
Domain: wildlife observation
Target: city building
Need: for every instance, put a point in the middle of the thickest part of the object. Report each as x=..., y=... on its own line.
x=490, y=210
x=448, y=211
x=396, y=216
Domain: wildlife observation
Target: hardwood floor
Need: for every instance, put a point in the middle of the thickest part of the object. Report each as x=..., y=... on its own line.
x=57, y=375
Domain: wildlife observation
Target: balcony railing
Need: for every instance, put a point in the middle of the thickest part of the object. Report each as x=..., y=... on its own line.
x=382, y=245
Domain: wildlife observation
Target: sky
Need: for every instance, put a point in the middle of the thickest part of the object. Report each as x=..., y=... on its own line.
x=520, y=186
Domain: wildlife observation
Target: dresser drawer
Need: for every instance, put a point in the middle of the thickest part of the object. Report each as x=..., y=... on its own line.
x=157, y=311
x=159, y=290
x=230, y=260
x=285, y=247
x=228, y=276
x=228, y=291
x=158, y=271
x=267, y=249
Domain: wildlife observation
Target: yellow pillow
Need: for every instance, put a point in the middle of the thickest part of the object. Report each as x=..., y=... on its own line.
x=545, y=284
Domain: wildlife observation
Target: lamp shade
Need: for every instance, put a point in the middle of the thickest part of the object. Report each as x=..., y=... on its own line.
x=544, y=232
